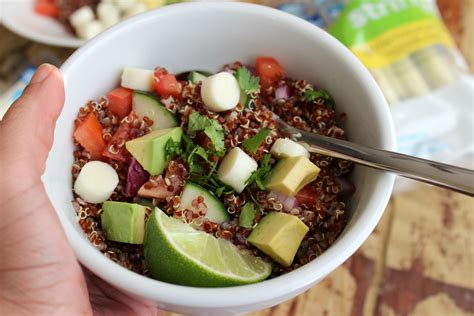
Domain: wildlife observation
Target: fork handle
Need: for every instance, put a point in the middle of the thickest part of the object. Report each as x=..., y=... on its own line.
x=432, y=172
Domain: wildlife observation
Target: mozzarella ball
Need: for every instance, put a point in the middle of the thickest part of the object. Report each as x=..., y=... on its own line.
x=96, y=182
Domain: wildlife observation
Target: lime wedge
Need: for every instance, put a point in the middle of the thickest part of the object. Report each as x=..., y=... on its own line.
x=177, y=253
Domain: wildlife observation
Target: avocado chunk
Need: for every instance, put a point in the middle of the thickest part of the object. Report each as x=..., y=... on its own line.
x=123, y=222
x=149, y=150
x=279, y=235
x=291, y=174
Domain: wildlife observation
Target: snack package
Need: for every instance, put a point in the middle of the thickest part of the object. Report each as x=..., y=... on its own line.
x=413, y=58
x=15, y=91
x=404, y=44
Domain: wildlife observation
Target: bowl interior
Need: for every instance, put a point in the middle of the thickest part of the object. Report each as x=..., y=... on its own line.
x=205, y=37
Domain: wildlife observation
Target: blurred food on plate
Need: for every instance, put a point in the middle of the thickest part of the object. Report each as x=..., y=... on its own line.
x=87, y=18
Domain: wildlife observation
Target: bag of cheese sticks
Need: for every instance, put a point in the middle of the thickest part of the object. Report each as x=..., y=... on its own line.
x=413, y=58
x=404, y=43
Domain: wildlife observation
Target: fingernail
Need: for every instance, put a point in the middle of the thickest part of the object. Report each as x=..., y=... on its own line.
x=42, y=73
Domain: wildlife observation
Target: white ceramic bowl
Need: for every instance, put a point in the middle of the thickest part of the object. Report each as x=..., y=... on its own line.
x=206, y=36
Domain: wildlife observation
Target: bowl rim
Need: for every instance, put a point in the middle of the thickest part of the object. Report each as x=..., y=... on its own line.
x=268, y=290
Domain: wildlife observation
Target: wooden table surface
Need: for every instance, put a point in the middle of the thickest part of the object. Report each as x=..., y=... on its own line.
x=418, y=261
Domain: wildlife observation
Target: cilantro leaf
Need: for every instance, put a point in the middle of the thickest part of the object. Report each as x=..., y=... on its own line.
x=172, y=148
x=219, y=191
x=215, y=132
x=197, y=122
x=247, y=215
x=212, y=128
x=259, y=175
x=312, y=95
x=248, y=83
x=201, y=168
x=188, y=145
x=193, y=161
x=252, y=144
x=201, y=152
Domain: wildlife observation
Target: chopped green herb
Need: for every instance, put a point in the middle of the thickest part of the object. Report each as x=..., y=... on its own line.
x=197, y=122
x=259, y=175
x=188, y=145
x=215, y=132
x=219, y=191
x=212, y=128
x=249, y=191
x=247, y=215
x=172, y=149
x=223, y=190
x=201, y=168
x=193, y=162
x=252, y=144
x=248, y=83
x=312, y=95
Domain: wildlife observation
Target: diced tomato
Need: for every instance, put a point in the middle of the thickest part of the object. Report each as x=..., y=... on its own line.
x=307, y=195
x=158, y=189
x=269, y=70
x=166, y=84
x=89, y=134
x=120, y=101
x=47, y=8
x=115, y=148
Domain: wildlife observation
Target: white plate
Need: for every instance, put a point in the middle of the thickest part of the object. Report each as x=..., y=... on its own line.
x=20, y=17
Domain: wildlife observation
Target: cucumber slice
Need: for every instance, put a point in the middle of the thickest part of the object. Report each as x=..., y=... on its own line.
x=195, y=76
x=215, y=209
x=145, y=104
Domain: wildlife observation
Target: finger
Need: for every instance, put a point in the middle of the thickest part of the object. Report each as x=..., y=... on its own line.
x=108, y=300
x=44, y=94
x=28, y=127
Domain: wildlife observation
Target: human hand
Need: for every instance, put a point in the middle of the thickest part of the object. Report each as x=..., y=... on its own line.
x=39, y=273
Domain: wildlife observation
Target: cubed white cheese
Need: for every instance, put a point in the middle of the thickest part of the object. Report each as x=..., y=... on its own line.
x=124, y=5
x=96, y=182
x=220, y=92
x=90, y=29
x=108, y=14
x=285, y=147
x=236, y=168
x=137, y=8
x=137, y=79
x=81, y=17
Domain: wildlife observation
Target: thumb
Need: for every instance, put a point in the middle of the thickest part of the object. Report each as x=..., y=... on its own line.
x=27, y=130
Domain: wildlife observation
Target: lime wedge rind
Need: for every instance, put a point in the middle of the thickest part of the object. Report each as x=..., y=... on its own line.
x=177, y=253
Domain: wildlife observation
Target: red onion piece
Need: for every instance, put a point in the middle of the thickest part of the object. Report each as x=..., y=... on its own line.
x=282, y=93
x=277, y=196
x=136, y=177
x=288, y=203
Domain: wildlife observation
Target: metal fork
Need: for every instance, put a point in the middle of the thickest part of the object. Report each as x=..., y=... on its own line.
x=432, y=172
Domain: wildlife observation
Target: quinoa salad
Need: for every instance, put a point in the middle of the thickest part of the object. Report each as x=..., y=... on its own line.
x=188, y=179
